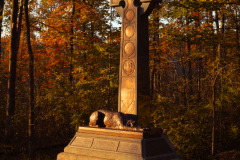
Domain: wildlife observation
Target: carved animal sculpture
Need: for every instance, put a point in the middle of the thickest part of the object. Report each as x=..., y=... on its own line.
x=114, y=120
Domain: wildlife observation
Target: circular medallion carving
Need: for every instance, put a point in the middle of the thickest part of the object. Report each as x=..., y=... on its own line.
x=129, y=31
x=129, y=48
x=130, y=15
x=128, y=67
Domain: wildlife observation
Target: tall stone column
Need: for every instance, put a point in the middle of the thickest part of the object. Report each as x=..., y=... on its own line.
x=134, y=82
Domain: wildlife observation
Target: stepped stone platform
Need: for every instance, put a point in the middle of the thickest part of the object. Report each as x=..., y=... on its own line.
x=109, y=144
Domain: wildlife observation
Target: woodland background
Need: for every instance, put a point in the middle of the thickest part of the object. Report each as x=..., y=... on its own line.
x=59, y=62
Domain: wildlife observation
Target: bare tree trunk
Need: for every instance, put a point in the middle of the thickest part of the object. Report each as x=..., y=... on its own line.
x=190, y=82
x=71, y=46
x=1, y=13
x=84, y=54
x=213, y=105
x=154, y=79
x=222, y=51
x=199, y=62
x=109, y=77
x=215, y=79
x=199, y=78
x=12, y=72
x=19, y=24
x=31, y=137
x=237, y=29
x=185, y=84
x=237, y=37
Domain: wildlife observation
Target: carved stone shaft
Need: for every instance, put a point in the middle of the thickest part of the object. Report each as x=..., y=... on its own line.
x=134, y=85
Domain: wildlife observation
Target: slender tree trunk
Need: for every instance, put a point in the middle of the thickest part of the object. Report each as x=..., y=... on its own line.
x=213, y=106
x=1, y=13
x=190, y=82
x=109, y=77
x=12, y=72
x=155, y=39
x=84, y=24
x=237, y=37
x=237, y=30
x=199, y=78
x=152, y=82
x=31, y=137
x=185, y=84
x=157, y=51
x=84, y=54
x=222, y=57
x=199, y=61
x=71, y=46
x=214, y=80
x=92, y=25
x=222, y=51
x=19, y=24
x=185, y=87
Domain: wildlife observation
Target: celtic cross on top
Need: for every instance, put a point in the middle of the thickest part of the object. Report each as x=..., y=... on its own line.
x=134, y=85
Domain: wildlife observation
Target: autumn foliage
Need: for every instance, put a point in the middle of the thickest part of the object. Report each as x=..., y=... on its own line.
x=194, y=71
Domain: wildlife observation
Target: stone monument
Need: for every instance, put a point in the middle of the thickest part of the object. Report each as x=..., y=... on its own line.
x=118, y=135
x=134, y=85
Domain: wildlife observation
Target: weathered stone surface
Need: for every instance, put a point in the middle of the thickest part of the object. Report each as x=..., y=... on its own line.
x=82, y=142
x=134, y=83
x=152, y=133
x=134, y=92
x=132, y=148
x=71, y=156
x=105, y=144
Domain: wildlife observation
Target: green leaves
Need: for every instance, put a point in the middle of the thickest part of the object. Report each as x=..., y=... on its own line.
x=188, y=128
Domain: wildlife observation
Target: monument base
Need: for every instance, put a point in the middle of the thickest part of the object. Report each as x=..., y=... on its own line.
x=109, y=144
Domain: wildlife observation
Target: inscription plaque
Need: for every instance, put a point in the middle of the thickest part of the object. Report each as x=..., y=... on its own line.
x=82, y=142
x=133, y=148
x=127, y=99
x=105, y=144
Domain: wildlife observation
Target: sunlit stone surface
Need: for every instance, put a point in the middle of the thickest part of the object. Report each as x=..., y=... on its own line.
x=129, y=48
x=129, y=31
x=130, y=15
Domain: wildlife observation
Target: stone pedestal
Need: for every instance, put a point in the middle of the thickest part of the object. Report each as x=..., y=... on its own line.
x=108, y=144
